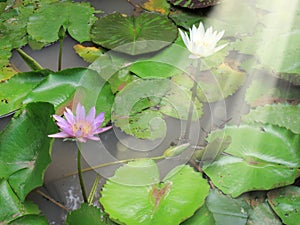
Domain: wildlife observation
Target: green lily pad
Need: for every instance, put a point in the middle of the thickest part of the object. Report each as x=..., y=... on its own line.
x=86, y=214
x=5, y=51
x=262, y=214
x=134, y=108
x=25, y=148
x=227, y=210
x=148, y=124
x=185, y=18
x=258, y=158
x=11, y=206
x=120, y=79
x=148, y=32
x=167, y=63
x=283, y=115
x=15, y=90
x=62, y=87
x=194, y=4
x=215, y=84
x=30, y=219
x=14, y=25
x=76, y=18
x=265, y=91
x=201, y=217
x=176, y=103
x=286, y=203
x=163, y=202
x=286, y=51
x=105, y=102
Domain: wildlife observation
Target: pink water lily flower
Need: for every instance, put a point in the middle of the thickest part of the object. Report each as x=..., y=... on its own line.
x=80, y=126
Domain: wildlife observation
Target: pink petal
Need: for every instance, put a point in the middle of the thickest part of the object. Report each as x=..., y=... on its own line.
x=80, y=112
x=99, y=119
x=94, y=138
x=69, y=116
x=81, y=139
x=59, y=119
x=59, y=135
x=101, y=130
x=91, y=115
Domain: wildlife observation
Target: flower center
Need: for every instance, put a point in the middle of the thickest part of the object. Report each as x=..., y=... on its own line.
x=81, y=128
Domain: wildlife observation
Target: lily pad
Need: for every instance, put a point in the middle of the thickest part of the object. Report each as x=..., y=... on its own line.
x=262, y=214
x=11, y=206
x=6, y=73
x=76, y=18
x=86, y=214
x=169, y=62
x=148, y=32
x=133, y=109
x=163, y=202
x=89, y=54
x=176, y=103
x=194, y=4
x=162, y=7
x=62, y=87
x=227, y=210
x=148, y=124
x=5, y=51
x=15, y=90
x=263, y=91
x=287, y=53
x=258, y=158
x=286, y=203
x=283, y=115
x=30, y=219
x=25, y=148
x=215, y=84
x=201, y=217
x=185, y=18
x=14, y=25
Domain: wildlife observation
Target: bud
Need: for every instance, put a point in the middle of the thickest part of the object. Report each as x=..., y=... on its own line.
x=175, y=150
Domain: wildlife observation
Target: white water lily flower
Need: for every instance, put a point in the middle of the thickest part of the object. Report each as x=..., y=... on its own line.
x=202, y=43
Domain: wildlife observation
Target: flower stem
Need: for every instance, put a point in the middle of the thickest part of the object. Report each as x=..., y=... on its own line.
x=191, y=108
x=111, y=163
x=61, y=35
x=80, y=174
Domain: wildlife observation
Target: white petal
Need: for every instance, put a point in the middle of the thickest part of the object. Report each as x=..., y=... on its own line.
x=220, y=47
